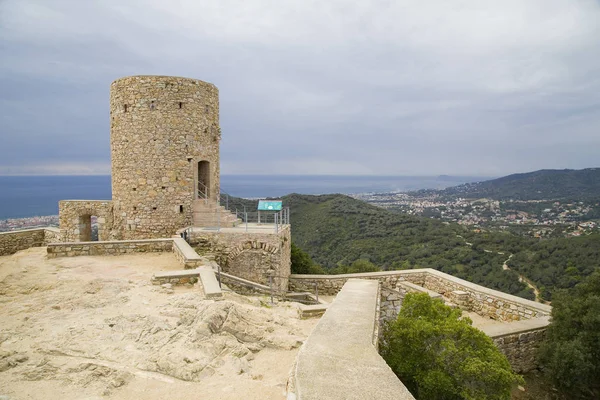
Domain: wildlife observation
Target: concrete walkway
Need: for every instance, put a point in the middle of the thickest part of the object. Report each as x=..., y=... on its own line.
x=339, y=361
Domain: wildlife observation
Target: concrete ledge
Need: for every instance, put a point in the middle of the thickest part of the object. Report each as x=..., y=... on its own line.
x=180, y=277
x=527, y=325
x=186, y=255
x=338, y=360
x=312, y=310
x=209, y=282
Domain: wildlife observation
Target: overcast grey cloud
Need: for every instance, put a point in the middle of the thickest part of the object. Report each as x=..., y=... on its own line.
x=478, y=87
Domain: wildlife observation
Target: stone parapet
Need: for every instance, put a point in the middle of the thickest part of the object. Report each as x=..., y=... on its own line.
x=13, y=241
x=484, y=301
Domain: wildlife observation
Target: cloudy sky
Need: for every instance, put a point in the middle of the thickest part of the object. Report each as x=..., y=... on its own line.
x=381, y=87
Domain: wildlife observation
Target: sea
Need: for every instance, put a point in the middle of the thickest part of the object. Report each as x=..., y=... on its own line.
x=30, y=196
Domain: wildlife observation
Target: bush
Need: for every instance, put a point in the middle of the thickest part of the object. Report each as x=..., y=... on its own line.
x=439, y=356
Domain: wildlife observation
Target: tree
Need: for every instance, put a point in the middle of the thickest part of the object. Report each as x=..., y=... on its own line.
x=439, y=356
x=570, y=356
x=302, y=263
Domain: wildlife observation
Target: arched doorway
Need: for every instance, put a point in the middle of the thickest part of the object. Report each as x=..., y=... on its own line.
x=203, y=180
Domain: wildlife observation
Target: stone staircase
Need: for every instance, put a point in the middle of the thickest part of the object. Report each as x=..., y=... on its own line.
x=209, y=214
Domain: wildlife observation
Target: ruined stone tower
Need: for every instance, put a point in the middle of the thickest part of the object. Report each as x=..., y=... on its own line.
x=164, y=139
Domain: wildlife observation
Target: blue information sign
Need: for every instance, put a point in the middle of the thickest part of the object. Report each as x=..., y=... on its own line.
x=269, y=205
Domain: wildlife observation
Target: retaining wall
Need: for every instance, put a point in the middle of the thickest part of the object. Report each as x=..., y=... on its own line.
x=250, y=255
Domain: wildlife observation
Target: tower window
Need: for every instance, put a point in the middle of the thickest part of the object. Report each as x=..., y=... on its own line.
x=207, y=109
x=124, y=107
x=152, y=105
x=134, y=189
x=154, y=208
x=180, y=209
x=180, y=104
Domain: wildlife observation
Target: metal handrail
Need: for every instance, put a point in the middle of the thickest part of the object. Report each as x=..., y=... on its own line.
x=202, y=191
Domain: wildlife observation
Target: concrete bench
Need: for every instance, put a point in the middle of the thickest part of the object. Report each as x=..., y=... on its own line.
x=212, y=290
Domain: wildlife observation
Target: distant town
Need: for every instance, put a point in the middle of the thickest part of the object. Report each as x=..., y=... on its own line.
x=537, y=218
x=25, y=223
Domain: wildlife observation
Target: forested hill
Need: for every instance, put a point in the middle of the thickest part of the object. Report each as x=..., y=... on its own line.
x=337, y=231
x=546, y=184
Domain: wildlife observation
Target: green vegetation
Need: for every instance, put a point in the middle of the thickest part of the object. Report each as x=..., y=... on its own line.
x=302, y=263
x=545, y=184
x=345, y=235
x=337, y=231
x=439, y=355
x=571, y=354
x=558, y=263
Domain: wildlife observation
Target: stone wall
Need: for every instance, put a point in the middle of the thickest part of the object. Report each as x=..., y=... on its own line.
x=13, y=241
x=484, y=301
x=76, y=249
x=331, y=284
x=51, y=235
x=520, y=348
x=161, y=129
x=250, y=255
x=74, y=220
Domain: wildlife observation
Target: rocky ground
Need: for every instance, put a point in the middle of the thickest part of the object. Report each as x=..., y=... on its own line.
x=95, y=327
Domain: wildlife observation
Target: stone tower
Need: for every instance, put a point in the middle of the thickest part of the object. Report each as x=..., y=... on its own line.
x=164, y=139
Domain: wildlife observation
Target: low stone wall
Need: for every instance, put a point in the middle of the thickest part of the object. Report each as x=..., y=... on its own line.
x=249, y=255
x=339, y=360
x=330, y=285
x=521, y=348
x=75, y=249
x=484, y=301
x=13, y=241
x=519, y=341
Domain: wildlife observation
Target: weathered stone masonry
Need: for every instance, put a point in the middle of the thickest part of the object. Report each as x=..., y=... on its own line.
x=164, y=142
x=250, y=255
x=11, y=242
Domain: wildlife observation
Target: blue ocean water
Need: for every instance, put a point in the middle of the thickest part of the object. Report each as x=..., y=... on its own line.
x=29, y=196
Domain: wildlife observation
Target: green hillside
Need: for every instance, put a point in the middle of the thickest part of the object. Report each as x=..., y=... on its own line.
x=338, y=230
x=539, y=185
